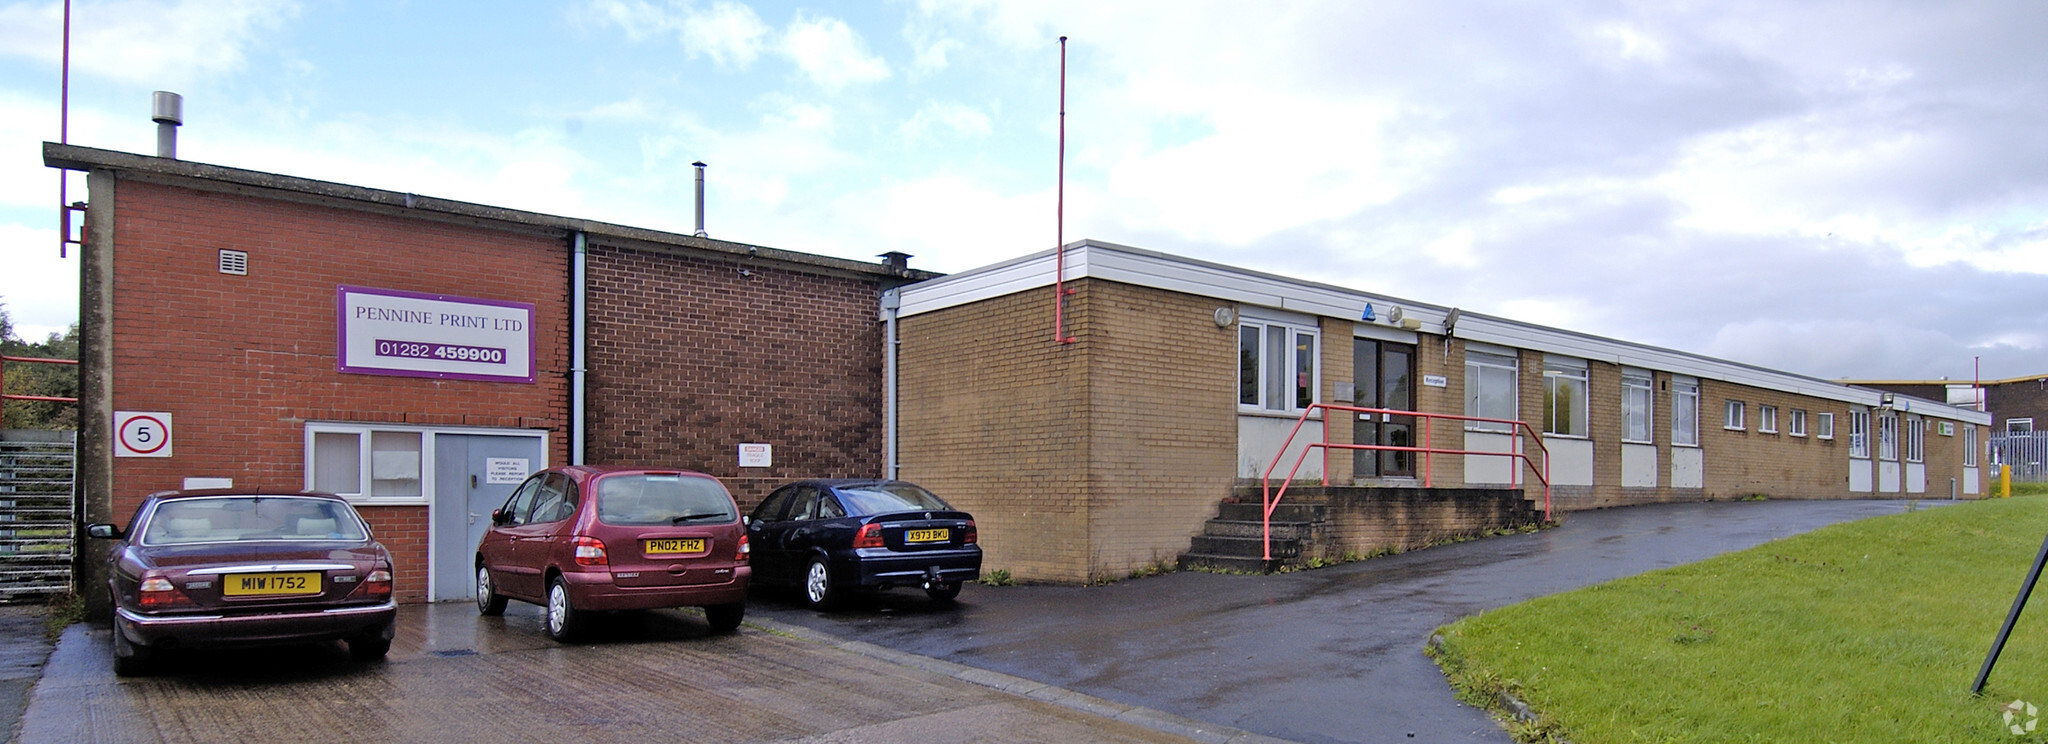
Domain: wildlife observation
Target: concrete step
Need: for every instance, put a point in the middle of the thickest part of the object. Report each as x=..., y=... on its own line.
x=1243, y=547
x=1285, y=512
x=1229, y=563
x=1253, y=528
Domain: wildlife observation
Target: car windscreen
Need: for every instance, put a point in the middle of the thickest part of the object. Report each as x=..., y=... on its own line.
x=643, y=499
x=252, y=518
x=884, y=498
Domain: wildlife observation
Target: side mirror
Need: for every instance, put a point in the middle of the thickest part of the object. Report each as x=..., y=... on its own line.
x=497, y=516
x=103, y=531
x=746, y=521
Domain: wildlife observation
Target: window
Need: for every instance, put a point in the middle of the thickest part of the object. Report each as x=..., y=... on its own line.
x=1734, y=418
x=1824, y=426
x=2019, y=426
x=1635, y=407
x=1859, y=434
x=1685, y=412
x=1916, y=440
x=1276, y=367
x=1564, y=396
x=1489, y=390
x=1767, y=419
x=1969, y=445
x=1798, y=423
x=339, y=462
x=1888, y=437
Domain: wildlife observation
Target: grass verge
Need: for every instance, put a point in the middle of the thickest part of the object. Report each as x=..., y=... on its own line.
x=1865, y=631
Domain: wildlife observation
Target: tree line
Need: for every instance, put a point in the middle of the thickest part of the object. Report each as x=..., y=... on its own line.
x=54, y=380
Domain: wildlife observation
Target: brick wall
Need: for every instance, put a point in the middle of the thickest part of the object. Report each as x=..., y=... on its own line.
x=1162, y=422
x=993, y=419
x=691, y=355
x=243, y=362
x=2021, y=399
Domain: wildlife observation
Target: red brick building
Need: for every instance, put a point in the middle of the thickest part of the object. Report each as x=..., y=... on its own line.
x=261, y=321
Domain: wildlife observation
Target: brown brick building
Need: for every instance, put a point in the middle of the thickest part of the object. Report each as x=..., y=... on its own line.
x=1090, y=459
x=246, y=313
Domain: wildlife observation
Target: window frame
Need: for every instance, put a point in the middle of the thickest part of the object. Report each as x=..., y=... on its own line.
x=1766, y=419
x=1566, y=374
x=2028, y=421
x=1477, y=364
x=1969, y=445
x=1632, y=384
x=1824, y=425
x=1288, y=367
x=1685, y=409
x=1734, y=415
x=1915, y=439
x=1888, y=437
x=1859, y=435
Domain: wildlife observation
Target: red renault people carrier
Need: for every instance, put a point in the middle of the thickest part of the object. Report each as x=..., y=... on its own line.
x=580, y=539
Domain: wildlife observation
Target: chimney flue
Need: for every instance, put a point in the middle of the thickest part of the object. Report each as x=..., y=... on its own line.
x=700, y=199
x=167, y=109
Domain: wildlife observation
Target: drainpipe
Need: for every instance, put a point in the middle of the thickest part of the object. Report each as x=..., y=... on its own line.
x=579, y=304
x=891, y=301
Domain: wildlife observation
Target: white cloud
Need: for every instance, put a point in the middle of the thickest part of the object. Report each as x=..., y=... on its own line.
x=728, y=33
x=143, y=42
x=831, y=53
x=939, y=118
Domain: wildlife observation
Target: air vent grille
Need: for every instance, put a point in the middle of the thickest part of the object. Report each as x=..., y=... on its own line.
x=234, y=262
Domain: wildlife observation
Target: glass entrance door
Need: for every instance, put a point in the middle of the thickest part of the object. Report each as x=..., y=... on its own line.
x=1383, y=376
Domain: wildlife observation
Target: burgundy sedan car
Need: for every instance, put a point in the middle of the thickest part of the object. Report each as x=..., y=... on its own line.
x=206, y=569
x=580, y=539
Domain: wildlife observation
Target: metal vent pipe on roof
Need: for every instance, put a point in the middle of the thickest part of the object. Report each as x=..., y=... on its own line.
x=167, y=109
x=700, y=199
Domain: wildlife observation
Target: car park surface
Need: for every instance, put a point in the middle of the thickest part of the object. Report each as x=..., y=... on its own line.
x=219, y=569
x=653, y=676
x=1329, y=655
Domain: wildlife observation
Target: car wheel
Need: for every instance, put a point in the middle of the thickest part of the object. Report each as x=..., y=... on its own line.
x=725, y=618
x=488, y=601
x=563, y=619
x=368, y=647
x=818, y=591
x=943, y=592
x=130, y=660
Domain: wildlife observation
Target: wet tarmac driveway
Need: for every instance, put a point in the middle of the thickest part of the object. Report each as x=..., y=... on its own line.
x=1330, y=655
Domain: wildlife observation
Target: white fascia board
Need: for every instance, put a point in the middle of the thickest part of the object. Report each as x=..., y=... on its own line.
x=996, y=280
x=1525, y=336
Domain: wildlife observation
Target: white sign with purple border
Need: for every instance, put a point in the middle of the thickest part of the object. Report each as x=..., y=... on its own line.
x=414, y=334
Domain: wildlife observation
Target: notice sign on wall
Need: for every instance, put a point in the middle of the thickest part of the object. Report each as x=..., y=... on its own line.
x=411, y=334
x=504, y=470
x=140, y=434
x=757, y=455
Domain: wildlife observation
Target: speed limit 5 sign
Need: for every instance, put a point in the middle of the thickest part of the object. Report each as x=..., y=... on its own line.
x=142, y=434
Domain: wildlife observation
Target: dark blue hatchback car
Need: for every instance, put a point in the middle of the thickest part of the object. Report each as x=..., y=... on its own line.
x=829, y=536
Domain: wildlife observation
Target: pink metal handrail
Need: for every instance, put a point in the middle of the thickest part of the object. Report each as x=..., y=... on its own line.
x=47, y=398
x=1271, y=499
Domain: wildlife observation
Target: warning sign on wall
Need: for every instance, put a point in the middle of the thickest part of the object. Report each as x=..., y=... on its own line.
x=142, y=434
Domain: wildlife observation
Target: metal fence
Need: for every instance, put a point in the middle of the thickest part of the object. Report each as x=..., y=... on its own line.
x=2027, y=454
x=36, y=503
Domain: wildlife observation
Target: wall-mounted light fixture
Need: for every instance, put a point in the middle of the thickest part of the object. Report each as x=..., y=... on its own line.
x=1225, y=316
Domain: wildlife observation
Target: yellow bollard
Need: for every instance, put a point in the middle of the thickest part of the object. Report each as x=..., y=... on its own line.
x=2005, y=481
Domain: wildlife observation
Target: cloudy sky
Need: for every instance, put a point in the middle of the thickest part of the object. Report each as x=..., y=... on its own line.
x=1854, y=189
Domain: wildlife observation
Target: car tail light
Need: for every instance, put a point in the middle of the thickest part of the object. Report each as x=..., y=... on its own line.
x=870, y=536
x=590, y=552
x=157, y=593
x=744, y=551
x=377, y=585
x=970, y=535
